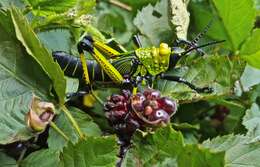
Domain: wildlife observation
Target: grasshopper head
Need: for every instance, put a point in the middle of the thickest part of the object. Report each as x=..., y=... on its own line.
x=164, y=50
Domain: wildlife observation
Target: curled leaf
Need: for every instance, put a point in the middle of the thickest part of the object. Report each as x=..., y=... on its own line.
x=40, y=114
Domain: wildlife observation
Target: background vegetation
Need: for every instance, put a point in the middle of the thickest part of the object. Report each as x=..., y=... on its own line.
x=218, y=129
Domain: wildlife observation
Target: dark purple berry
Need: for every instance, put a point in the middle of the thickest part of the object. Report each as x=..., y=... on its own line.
x=161, y=115
x=151, y=94
x=168, y=105
x=221, y=113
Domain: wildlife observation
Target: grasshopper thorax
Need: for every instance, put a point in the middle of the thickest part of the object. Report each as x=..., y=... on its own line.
x=155, y=60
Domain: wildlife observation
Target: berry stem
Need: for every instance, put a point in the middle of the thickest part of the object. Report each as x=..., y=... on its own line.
x=58, y=130
x=73, y=121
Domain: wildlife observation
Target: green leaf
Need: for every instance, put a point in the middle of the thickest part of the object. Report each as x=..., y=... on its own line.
x=250, y=51
x=179, y=17
x=86, y=124
x=8, y=3
x=115, y=22
x=248, y=78
x=168, y=145
x=185, y=126
x=238, y=151
x=20, y=78
x=47, y=7
x=223, y=143
x=56, y=40
x=84, y=6
x=72, y=85
x=42, y=158
x=203, y=72
x=252, y=120
x=152, y=22
x=33, y=47
x=75, y=19
x=6, y=161
x=237, y=19
x=234, y=118
x=194, y=155
x=152, y=148
x=201, y=15
x=106, y=24
x=244, y=154
x=94, y=151
x=234, y=24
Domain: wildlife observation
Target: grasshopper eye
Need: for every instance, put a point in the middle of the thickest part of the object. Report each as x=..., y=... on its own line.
x=164, y=49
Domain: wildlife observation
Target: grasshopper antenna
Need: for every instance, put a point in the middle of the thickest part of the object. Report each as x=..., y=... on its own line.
x=201, y=34
x=201, y=46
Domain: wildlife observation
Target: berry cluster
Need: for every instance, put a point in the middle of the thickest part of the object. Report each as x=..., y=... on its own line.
x=127, y=112
x=221, y=112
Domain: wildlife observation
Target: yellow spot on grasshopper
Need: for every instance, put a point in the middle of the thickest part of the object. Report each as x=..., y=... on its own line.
x=134, y=90
x=88, y=100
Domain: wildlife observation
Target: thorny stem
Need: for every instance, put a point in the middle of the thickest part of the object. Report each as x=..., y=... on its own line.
x=72, y=120
x=58, y=130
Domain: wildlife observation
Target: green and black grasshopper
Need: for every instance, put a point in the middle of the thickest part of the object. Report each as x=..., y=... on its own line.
x=142, y=65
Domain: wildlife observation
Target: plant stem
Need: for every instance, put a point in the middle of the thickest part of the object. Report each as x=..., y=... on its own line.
x=58, y=130
x=97, y=98
x=72, y=120
x=24, y=151
x=21, y=156
x=121, y=5
x=27, y=10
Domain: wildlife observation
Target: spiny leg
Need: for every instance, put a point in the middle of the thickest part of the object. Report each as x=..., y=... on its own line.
x=182, y=80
